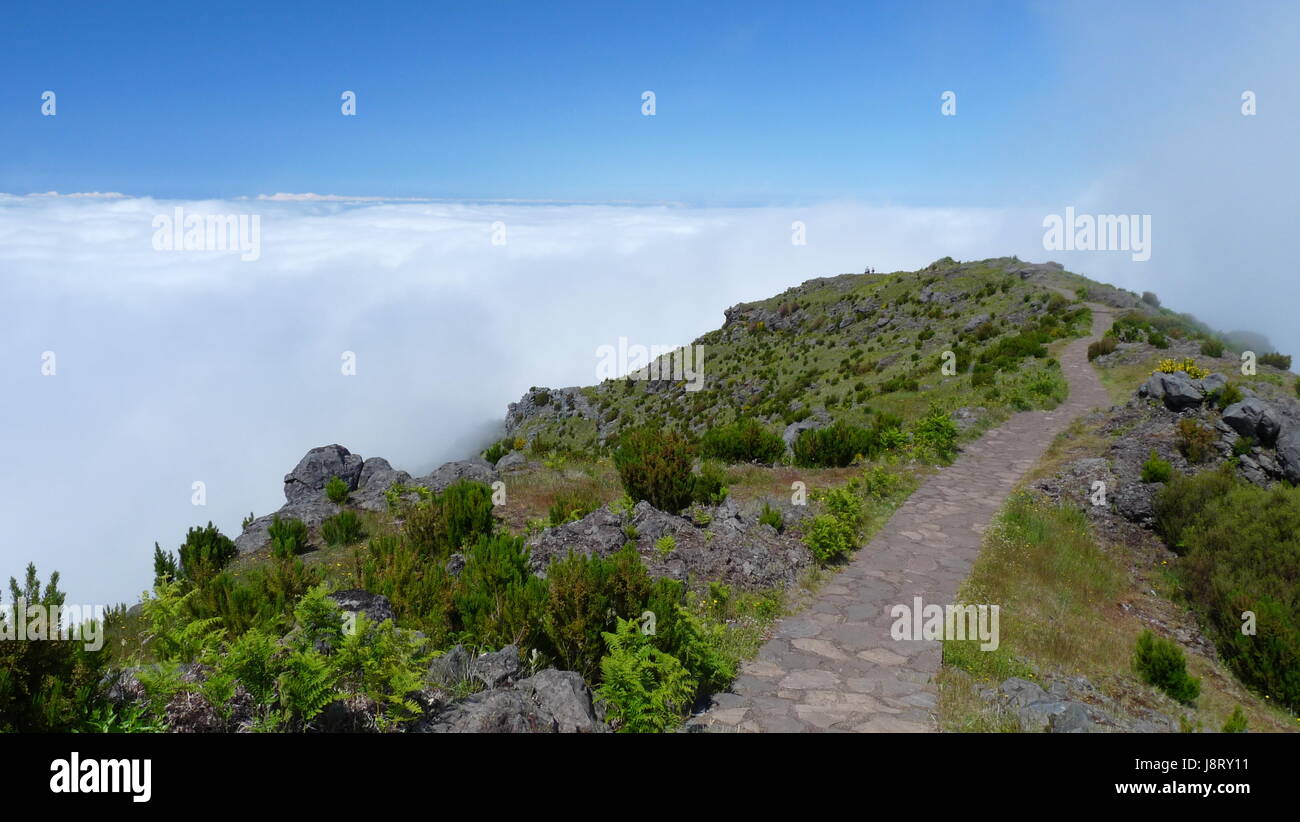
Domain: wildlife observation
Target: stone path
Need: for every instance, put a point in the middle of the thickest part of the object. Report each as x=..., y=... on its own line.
x=834, y=666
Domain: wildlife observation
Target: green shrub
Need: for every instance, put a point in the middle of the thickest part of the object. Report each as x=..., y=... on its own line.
x=834, y=446
x=827, y=538
x=288, y=537
x=1156, y=469
x=1150, y=298
x=771, y=516
x=337, y=490
x=1228, y=395
x=498, y=601
x=745, y=440
x=1273, y=358
x=586, y=594
x=1236, y=723
x=1157, y=339
x=344, y=528
x=494, y=452
x=573, y=504
x=1196, y=441
x=1105, y=345
x=646, y=689
x=206, y=551
x=1242, y=553
x=935, y=436
x=1212, y=348
x=1179, y=505
x=1297, y=387
x=655, y=466
x=709, y=487
x=665, y=545
x=450, y=520
x=1160, y=662
x=421, y=591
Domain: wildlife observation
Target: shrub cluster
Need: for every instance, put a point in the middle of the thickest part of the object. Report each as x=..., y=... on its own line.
x=746, y=440
x=1160, y=662
x=1242, y=553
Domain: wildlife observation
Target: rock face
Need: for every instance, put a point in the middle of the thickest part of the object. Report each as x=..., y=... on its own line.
x=1252, y=417
x=1288, y=452
x=550, y=701
x=550, y=404
x=368, y=483
x=376, y=607
x=1177, y=390
x=1063, y=709
x=306, y=482
x=732, y=547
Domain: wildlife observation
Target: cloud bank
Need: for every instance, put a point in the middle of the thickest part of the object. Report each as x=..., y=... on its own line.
x=176, y=367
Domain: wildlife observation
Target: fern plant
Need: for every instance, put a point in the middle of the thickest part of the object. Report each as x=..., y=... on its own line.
x=646, y=689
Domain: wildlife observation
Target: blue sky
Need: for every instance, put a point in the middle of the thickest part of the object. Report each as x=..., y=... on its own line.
x=758, y=103
x=177, y=367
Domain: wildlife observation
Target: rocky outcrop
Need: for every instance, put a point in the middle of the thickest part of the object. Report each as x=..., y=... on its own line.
x=732, y=546
x=549, y=404
x=550, y=701
x=368, y=482
x=1178, y=391
x=1252, y=417
x=1071, y=706
x=306, y=482
x=376, y=607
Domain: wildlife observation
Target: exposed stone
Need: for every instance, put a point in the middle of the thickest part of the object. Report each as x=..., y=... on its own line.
x=376, y=607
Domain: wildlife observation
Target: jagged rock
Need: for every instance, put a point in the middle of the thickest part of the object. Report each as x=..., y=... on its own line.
x=1177, y=390
x=1213, y=384
x=974, y=323
x=515, y=459
x=306, y=482
x=564, y=696
x=476, y=469
x=451, y=667
x=733, y=548
x=819, y=419
x=455, y=564
x=1252, y=417
x=377, y=476
x=496, y=668
x=255, y=536
x=376, y=607
x=1288, y=452
x=550, y=702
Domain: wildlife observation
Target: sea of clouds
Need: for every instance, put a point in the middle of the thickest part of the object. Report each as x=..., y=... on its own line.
x=182, y=366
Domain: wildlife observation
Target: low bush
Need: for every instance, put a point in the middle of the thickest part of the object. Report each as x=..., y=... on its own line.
x=1196, y=441
x=206, y=551
x=745, y=440
x=1160, y=662
x=655, y=466
x=835, y=446
x=344, y=528
x=935, y=436
x=573, y=504
x=1105, y=345
x=336, y=490
x=288, y=537
x=1212, y=348
x=1242, y=553
x=771, y=516
x=1273, y=358
x=1156, y=469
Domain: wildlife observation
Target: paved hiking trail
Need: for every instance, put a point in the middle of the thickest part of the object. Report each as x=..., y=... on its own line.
x=834, y=666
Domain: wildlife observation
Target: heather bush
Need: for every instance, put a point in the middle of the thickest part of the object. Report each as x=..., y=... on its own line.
x=834, y=446
x=1156, y=469
x=746, y=440
x=1196, y=441
x=1160, y=662
x=1105, y=345
x=288, y=537
x=655, y=466
x=1273, y=358
x=336, y=490
x=344, y=528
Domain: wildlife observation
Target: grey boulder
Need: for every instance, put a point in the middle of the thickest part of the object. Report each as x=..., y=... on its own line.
x=1252, y=417
x=306, y=482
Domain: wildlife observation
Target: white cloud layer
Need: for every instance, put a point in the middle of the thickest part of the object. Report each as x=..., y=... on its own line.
x=176, y=367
